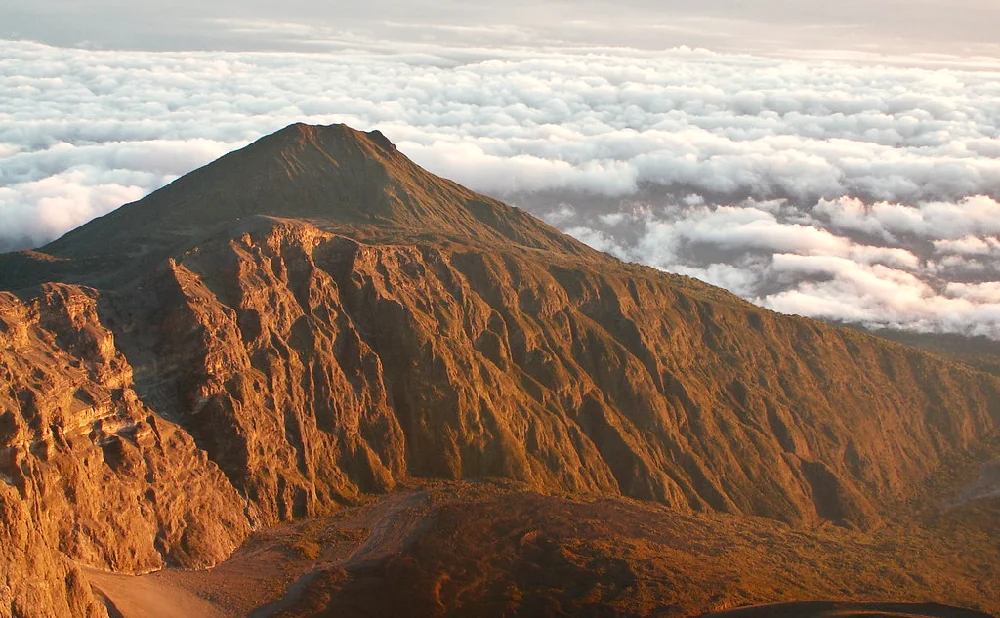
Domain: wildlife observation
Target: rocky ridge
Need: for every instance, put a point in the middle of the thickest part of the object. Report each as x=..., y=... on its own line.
x=314, y=318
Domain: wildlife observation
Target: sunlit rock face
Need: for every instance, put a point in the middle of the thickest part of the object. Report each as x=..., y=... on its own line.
x=315, y=318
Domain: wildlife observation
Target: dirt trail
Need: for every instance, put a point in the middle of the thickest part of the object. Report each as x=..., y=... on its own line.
x=267, y=574
x=394, y=522
x=148, y=596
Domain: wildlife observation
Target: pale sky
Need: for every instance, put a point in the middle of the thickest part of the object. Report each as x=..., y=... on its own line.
x=953, y=27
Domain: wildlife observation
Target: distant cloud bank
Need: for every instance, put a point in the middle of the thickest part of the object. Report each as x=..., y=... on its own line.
x=846, y=191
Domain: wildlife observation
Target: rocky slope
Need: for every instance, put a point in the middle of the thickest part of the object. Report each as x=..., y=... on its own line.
x=88, y=471
x=314, y=317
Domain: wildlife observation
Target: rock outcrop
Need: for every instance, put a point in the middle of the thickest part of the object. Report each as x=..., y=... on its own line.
x=87, y=471
x=314, y=317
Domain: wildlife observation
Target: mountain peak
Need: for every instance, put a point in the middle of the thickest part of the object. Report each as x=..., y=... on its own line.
x=332, y=176
x=302, y=154
x=325, y=135
x=339, y=144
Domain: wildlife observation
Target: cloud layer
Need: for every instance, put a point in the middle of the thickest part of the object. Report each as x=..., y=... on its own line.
x=902, y=271
x=851, y=191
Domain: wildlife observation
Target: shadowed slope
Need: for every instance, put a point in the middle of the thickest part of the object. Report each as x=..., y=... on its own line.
x=826, y=609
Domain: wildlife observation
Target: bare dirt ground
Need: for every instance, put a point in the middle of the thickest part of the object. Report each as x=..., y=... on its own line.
x=264, y=576
x=150, y=596
x=498, y=549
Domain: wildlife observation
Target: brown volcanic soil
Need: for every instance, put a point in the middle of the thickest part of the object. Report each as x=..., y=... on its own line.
x=821, y=609
x=495, y=549
x=314, y=319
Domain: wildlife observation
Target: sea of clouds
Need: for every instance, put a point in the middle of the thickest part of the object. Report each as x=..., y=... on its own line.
x=844, y=190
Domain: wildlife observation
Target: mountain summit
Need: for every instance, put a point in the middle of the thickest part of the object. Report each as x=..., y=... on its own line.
x=314, y=319
x=329, y=175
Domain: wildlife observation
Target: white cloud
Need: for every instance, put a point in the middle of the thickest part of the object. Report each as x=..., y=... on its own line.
x=968, y=245
x=988, y=292
x=598, y=240
x=613, y=218
x=564, y=214
x=856, y=191
x=881, y=296
x=736, y=279
x=773, y=259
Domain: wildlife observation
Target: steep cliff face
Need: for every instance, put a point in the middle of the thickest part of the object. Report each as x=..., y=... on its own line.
x=87, y=471
x=314, y=317
x=353, y=364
